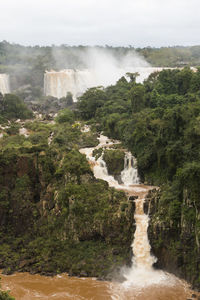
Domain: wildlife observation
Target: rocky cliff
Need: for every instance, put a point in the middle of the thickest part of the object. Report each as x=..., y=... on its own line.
x=54, y=215
x=174, y=235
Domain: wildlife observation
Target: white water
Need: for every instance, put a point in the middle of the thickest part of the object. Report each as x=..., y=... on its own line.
x=100, y=170
x=24, y=131
x=141, y=273
x=57, y=84
x=4, y=84
x=129, y=175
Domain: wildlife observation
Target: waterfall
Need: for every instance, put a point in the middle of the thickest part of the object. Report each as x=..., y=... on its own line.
x=4, y=84
x=141, y=273
x=129, y=175
x=57, y=84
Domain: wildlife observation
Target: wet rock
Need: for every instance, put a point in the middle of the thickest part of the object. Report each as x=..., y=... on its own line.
x=172, y=242
x=146, y=206
x=118, y=178
x=83, y=274
x=8, y=271
x=132, y=198
x=33, y=272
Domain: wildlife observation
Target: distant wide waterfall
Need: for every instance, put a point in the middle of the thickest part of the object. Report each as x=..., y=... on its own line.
x=4, y=84
x=58, y=83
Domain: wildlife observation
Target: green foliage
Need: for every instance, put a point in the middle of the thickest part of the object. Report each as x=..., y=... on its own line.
x=114, y=161
x=75, y=163
x=97, y=153
x=5, y=296
x=13, y=107
x=91, y=100
x=160, y=125
x=64, y=116
x=56, y=216
x=137, y=98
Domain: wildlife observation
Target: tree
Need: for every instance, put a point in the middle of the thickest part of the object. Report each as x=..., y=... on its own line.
x=12, y=107
x=132, y=76
x=90, y=101
x=65, y=115
x=69, y=98
x=137, y=96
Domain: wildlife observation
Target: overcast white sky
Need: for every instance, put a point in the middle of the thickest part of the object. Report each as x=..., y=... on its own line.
x=88, y=22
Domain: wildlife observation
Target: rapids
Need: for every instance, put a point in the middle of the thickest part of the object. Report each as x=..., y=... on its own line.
x=142, y=282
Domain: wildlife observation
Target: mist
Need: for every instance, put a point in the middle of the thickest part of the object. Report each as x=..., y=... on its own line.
x=105, y=64
x=89, y=67
x=68, y=68
x=108, y=68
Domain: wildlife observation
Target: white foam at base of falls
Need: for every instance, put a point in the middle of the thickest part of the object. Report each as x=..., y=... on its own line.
x=142, y=273
x=4, y=84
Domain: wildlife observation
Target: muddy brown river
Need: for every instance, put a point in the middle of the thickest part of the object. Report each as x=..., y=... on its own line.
x=24, y=286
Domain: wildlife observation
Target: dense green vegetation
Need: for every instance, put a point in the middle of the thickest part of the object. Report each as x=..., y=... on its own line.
x=12, y=107
x=159, y=122
x=54, y=215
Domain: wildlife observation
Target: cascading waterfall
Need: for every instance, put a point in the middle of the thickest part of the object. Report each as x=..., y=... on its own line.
x=129, y=175
x=4, y=84
x=141, y=272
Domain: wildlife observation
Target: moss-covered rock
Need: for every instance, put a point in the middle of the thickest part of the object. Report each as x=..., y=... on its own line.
x=114, y=161
x=54, y=215
x=174, y=233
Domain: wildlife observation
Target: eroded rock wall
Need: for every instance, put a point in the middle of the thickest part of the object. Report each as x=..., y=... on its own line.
x=174, y=236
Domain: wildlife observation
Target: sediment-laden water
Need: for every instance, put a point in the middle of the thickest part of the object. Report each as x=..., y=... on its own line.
x=31, y=287
x=141, y=282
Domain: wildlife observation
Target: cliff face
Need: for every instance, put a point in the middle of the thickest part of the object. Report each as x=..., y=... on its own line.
x=174, y=235
x=56, y=217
